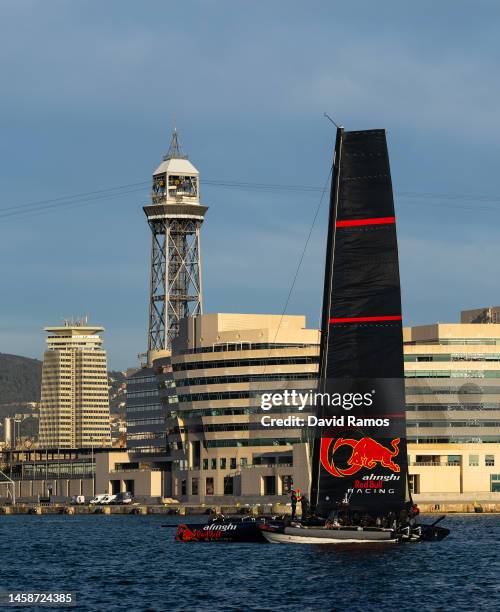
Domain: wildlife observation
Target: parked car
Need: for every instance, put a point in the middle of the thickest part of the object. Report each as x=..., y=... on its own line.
x=97, y=499
x=108, y=499
x=77, y=500
x=125, y=497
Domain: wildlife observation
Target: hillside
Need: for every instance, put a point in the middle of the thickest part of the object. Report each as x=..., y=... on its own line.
x=19, y=379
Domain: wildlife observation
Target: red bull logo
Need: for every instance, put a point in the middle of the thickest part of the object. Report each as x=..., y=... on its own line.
x=186, y=534
x=366, y=453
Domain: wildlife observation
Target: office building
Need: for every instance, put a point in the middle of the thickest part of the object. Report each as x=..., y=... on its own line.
x=146, y=409
x=453, y=404
x=222, y=363
x=74, y=408
x=215, y=445
x=206, y=444
x=452, y=375
x=491, y=314
x=215, y=440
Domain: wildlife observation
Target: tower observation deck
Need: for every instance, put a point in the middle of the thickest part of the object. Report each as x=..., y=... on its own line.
x=175, y=216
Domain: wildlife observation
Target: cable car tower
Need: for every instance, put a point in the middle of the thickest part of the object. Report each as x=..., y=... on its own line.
x=175, y=216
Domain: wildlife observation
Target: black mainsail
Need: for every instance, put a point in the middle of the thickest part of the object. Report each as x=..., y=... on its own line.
x=362, y=458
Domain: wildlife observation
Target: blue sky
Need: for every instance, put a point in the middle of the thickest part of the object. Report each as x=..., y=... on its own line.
x=89, y=94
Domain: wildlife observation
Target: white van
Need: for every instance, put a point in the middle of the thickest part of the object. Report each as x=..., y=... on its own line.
x=108, y=499
x=97, y=499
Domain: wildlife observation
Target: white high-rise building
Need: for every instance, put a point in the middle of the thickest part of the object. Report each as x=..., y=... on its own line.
x=74, y=410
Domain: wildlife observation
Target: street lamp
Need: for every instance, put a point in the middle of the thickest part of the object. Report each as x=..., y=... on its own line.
x=18, y=421
x=92, y=465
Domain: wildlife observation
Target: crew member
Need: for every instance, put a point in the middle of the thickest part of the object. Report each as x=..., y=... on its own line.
x=412, y=514
x=293, y=500
x=304, y=504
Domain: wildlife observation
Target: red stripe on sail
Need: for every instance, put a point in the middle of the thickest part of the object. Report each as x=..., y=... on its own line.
x=366, y=319
x=374, y=221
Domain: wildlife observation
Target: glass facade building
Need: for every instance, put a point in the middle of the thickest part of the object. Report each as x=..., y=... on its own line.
x=222, y=364
x=453, y=383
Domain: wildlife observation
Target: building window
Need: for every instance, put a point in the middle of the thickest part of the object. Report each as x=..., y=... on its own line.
x=233, y=463
x=286, y=484
x=454, y=459
x=473, y=460
x=489, y=460
x=205, y=464
x=213, y=463
x=209, y=486
x=269, y=485
x=178, y=185
x=243, y=462
x=194, y=486
x=228, y=485
x=414, y=483
x=183, y=487
x=196, y=448
x=222, y=463
x=495, y=483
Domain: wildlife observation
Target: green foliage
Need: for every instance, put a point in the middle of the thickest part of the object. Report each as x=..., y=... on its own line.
x=20, y=379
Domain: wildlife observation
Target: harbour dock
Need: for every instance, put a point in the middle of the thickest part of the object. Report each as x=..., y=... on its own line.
x=435, y=507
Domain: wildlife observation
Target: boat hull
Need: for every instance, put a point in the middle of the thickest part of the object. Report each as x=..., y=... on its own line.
x=277, y=538
x=297, y=535
x=227, y=531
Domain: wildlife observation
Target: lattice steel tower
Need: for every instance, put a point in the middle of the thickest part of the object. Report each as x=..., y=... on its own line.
x=175, y=216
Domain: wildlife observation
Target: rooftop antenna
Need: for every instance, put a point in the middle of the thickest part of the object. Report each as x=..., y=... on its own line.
x=174, y=151
x=330, y=119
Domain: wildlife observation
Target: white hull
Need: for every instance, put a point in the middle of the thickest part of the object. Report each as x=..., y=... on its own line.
x=283, y=538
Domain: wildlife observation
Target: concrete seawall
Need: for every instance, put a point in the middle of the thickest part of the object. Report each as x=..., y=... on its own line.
x=439, y=507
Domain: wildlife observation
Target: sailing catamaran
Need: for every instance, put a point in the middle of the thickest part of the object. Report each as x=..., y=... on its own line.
x=359, y=490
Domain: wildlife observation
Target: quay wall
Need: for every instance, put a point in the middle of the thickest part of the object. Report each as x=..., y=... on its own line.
x=431, y=507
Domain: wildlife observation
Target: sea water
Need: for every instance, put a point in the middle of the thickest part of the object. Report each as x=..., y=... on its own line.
x=125, y=562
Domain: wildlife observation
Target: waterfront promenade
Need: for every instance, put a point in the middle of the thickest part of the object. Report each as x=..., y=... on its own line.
x=436, y=506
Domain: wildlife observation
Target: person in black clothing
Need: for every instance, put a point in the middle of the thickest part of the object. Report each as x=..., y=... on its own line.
x=293, y=499
x=304, y=504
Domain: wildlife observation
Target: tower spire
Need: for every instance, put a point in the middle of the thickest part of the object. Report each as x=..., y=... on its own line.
x=175, y=216
x=174, y=151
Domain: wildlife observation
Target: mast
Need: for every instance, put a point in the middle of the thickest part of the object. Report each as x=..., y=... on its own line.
x=327, y=299
x=362, y=456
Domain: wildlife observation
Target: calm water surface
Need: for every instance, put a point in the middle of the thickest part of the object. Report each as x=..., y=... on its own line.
x=132, y=562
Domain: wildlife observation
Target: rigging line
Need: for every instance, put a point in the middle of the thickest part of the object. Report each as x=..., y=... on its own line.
x=448, y=196
x=318, y=208
x=405, y=194
x=310, y=188
x=71, y=197
x=273, y=186
x=255, y=185
x=123, y=189
x=304, y=250
x=75, y=203
x=67, y=205
x=71, y=204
